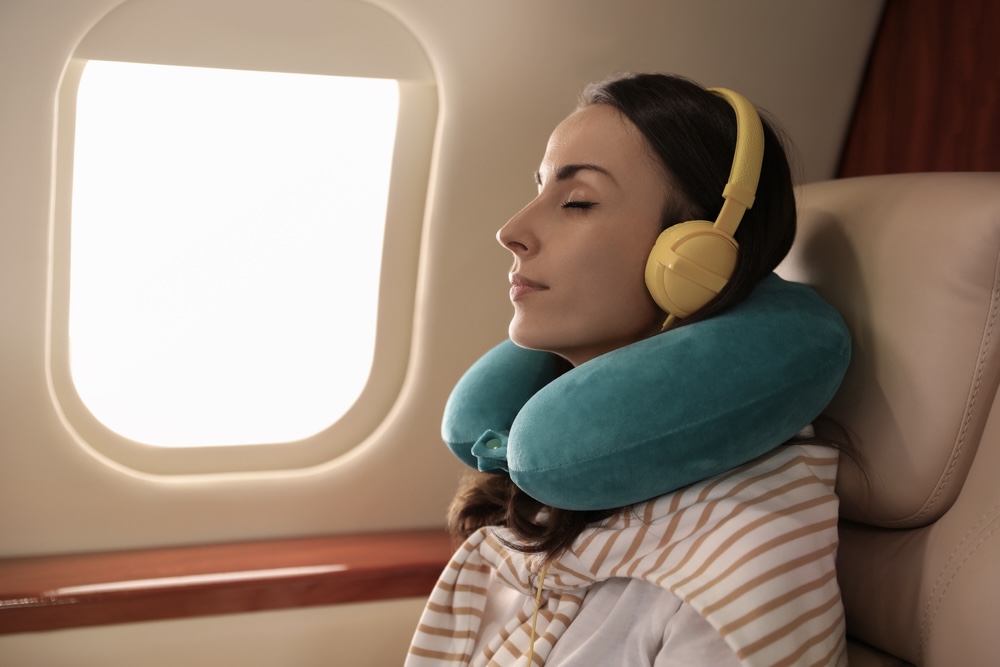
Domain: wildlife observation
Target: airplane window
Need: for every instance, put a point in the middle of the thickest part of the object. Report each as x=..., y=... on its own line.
x=226, y=233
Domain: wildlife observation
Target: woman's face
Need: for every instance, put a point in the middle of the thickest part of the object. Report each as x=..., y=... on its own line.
x=580, y=247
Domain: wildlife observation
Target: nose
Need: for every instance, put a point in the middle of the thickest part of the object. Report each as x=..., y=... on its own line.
x=517, y=235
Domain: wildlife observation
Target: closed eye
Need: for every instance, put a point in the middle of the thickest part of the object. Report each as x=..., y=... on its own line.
x=579, y=204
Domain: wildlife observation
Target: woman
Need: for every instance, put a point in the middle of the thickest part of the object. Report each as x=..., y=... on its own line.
x=735, y=569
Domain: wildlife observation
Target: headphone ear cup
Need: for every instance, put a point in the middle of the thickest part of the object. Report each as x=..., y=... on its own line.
x=689, y=265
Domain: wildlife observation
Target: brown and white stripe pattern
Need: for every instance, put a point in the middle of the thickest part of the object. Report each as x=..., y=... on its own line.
x=752, y=550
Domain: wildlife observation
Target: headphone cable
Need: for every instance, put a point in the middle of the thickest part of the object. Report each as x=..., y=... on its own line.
x=534, y=617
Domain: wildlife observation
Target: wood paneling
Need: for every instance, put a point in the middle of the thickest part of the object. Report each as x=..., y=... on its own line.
x=931, y=97
x=93, y=589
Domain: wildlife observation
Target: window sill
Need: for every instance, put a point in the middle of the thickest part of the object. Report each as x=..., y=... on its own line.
x=53, y=592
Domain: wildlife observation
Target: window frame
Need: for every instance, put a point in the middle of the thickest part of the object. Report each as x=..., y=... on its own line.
x=187, y=38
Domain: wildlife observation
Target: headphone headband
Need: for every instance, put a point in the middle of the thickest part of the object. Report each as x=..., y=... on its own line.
x=741, y=189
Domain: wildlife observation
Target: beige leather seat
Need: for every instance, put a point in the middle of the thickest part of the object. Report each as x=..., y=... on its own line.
x=912, y=261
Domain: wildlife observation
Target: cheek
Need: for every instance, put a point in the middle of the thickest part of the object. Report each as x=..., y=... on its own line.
x=617, y=280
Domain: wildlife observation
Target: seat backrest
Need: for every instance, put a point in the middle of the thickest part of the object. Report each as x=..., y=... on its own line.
x=912, y=261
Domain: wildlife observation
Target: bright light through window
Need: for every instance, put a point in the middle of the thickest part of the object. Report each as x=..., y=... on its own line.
x=225, y=252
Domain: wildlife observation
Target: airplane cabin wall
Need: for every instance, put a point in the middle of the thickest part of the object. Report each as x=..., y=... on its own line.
x=506, y=72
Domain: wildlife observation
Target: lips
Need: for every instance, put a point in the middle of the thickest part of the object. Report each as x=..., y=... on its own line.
x=520, y=286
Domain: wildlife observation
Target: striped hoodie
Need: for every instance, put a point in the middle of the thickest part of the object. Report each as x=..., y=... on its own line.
x=752, y=550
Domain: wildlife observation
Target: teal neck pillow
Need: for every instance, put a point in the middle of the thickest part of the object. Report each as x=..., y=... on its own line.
x=657, y=415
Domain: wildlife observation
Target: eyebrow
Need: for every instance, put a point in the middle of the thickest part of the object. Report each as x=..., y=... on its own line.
x=570, y=170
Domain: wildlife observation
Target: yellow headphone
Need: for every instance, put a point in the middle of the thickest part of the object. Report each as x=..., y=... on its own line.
x=692, y=261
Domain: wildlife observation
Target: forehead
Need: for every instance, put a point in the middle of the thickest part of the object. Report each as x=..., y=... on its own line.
x=598, y=134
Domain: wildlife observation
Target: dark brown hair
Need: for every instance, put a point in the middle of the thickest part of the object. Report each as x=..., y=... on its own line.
x=692, y=134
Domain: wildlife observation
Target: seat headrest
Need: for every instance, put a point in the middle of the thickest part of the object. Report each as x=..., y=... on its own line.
x=912, y=262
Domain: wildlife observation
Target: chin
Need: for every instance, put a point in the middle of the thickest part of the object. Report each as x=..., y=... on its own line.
x=558, y=343
x=524, y=341
x=531, y=338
